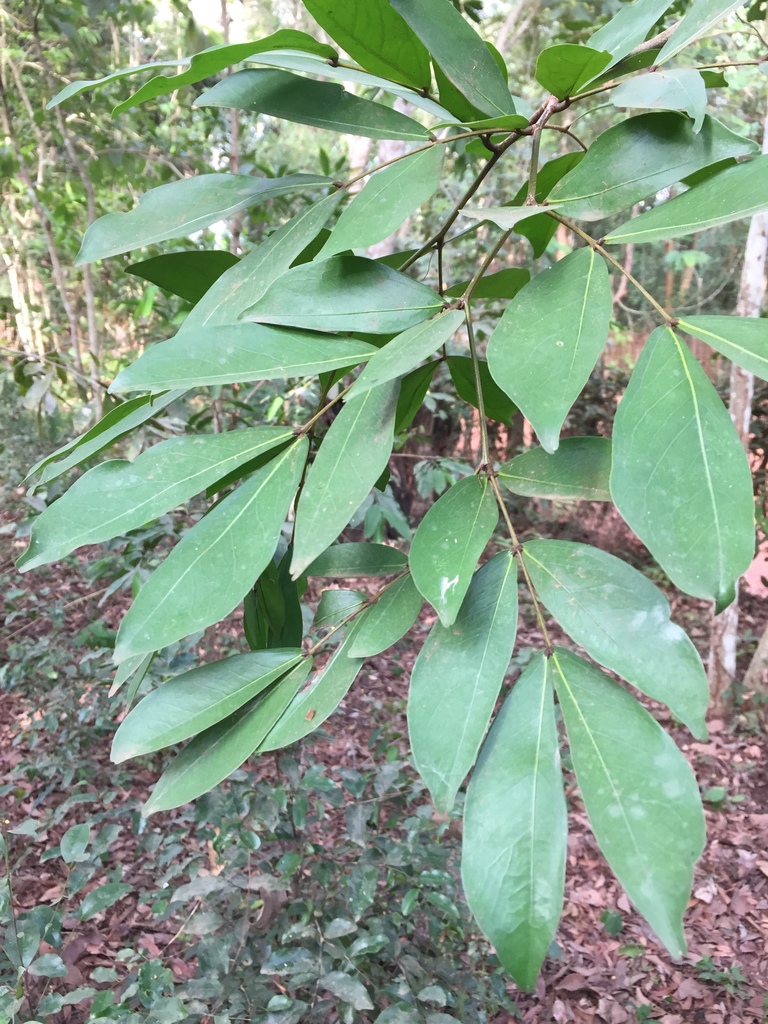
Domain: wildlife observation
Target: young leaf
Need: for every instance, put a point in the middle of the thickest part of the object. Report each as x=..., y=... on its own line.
x=644, y=809
x=450, y=539
x=580, y=469
x=385, y=622
x=504, y=284
x=498, y=405
x=515, y=828
x=214, y=754
x=680, y=89
x=188, y=274
x=376, y=37
x=352, y=457
x=548, y=340
x=220, y=557
x=118, y=496
x=462, y=55
x=237, y=353
x=407, y=350
x=680, y=477
x=697, y=20
x=316, y=702
x=196, y=700
x=345, y=561
x=305, y=101
x=457, y=678
x=628, y=27
x=183, y=207
x=346, y=293
x=564, y=69
x=621, y=620
x=390, y=196
x=742, y=339
x=734, y=194
x=637, y=158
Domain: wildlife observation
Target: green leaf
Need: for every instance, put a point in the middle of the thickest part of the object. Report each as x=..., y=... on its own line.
x=183, y=207
x=623, y=621
x=697, y=21
x=742, y=339
x=680, y=477
x=497, y=404
x=198, y=699
x=515, y=828
x=325, y=690
x=118, y=496
x=734, y=194
x=457, y=678
x=385, y=622
x=74, y=843
x=390, y=197
x=680, y=89
x=504, y=284
x=188, y=274
x=628, y=27
x=462, y=55
x=505, y=217
x=413, y=390
x=376, y=37
x=214, y=754
x=305, y=101
x=639, y=157
x=350, y=990
x=138, y=666
x=644, y=809
x=49, y=965
x=219, y=557
x=346, y=293
x=548, y=340
x=102, y=898
x=352, y=457
x=450, y=539
x=335, y=605
x=118, y=422
x=580, y=469
x=345, y=561
x=246, y=282
x=564, y=69
x=540, y=228
x=407, y=350
x=236, y=353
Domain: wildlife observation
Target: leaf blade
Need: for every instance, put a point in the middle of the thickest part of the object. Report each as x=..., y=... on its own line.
x=743, y=339
x=580, y=469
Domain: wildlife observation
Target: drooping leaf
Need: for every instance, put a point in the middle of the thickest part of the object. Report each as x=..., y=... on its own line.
x=498, y=405
x=580, y=469
x=450, y=539
x=742, y=339
x=623, y=621
x=385, y=622
x=407, y=350
x=413, y=389
x=457, y=678
x=188, y=274
x=628, y=27
x=198, y=699
x=734, y=194
x=638, y=157
x=183, y=207
x=214, y=754
x=548, y=340
x=565, y=68
x=504, y=284
x=118, y=496
x=644, y=809
x=679, y=89
x=389, y=197
x=540, y=228
x=237, y=353
x=220, y=558
x=316, y=702
x=515, y=828
x=680, y=477
x=697, y=20
x=346, y=293
x=376, y=37
x=305, y=101
x=345, y=561
x=460, y=52
x=350, y=990
x=352, y=457
x=138, y=666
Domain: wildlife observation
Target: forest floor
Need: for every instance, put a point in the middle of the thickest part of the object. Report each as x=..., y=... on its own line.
x=611, y=969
